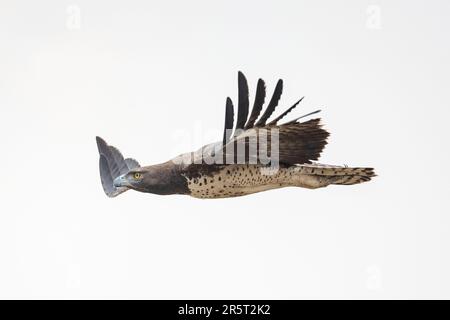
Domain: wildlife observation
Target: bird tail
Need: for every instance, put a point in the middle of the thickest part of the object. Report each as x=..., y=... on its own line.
x=339, y=175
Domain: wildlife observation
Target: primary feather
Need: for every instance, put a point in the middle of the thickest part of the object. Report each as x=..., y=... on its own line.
x=258, y=104
x=242, y=102
x=272, y=104
x=229, y=119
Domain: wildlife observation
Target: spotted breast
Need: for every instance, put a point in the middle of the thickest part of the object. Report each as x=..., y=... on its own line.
x=243, y=179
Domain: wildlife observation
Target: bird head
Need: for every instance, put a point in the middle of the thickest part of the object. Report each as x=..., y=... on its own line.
x=133, y=179
x=157, y=179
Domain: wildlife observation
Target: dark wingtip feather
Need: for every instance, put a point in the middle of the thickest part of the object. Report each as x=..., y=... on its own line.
x=242, y=112
x=260, y=96
x=303, y=116
x=229, y=119
x=274, y=122
x=272, y=104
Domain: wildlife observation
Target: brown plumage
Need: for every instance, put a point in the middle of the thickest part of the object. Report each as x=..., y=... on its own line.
x=257, y=156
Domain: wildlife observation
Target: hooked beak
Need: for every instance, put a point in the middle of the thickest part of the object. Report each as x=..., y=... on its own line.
x=121, y=181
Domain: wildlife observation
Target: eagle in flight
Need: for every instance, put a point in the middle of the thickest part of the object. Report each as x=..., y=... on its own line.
x=254, y=155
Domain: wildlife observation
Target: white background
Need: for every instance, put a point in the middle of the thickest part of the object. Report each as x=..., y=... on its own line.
x=152, y=79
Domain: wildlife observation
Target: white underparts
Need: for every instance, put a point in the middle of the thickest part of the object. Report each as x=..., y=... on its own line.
x=239, y=180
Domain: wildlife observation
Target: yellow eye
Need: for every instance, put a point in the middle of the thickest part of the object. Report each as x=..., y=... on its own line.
x=137, y=176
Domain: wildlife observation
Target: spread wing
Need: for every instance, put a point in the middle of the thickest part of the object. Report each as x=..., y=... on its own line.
x=113, y=165
x=298, y=142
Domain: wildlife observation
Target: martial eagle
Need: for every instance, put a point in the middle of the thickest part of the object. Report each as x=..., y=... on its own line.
x=254, y=155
